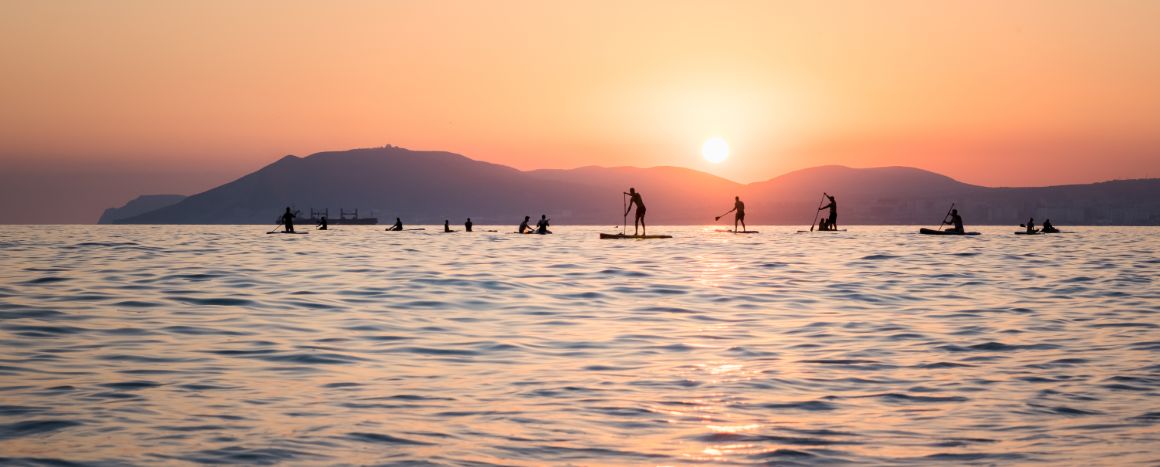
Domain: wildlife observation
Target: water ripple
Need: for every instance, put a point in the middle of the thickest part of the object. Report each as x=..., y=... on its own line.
x=127, y=345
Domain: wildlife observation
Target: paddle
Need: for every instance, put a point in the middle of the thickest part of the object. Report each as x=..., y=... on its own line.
x=944, y=221
x=624, y=226
x=715, y=219
x=818, y=211
x=276, y=227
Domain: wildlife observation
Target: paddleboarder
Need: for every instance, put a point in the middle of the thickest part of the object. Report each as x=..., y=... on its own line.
x=322, y=223
x=524, y=225
x=542, y=225
x=638, y=222
x=446, y=225
x=467, y=225
x=288, y=221
x=832, y=219
x=398, y=225
x=739, y=209
x=955, y=220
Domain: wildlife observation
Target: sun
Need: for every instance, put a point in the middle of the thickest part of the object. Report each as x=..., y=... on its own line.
x=715, y=150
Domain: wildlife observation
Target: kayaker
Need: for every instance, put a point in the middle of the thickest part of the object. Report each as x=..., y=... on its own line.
x=955, y=220
x=1048, y=228
x=832, y=219
x=1031, y=225
x=398, y=225
x=635, y=200
x=322, y=223
x=288, y=221
x=542, y=225
x=524, y=225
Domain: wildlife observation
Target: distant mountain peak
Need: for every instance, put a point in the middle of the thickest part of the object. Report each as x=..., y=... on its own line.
x=431, y=186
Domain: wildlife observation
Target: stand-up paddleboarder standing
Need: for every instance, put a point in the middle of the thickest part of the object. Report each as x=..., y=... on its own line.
x=638, y=221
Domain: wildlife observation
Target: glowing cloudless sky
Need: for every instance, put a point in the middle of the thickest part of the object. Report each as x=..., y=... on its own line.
x=993, y=93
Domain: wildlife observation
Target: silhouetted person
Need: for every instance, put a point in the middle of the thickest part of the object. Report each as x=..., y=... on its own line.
x=635, y=200
x=823, y=225
x=467, y=225
x=832, y=219
x=1047, y=227
x=542, y=225
x=739, y=208
x=322, y=223
x=398, y=225
x=524, y=225
x=288, y=220
x=1031, y=225
x=955, y=220
x=446, y=225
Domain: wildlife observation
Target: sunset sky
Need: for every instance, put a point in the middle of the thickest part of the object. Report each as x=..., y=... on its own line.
x=104, y=100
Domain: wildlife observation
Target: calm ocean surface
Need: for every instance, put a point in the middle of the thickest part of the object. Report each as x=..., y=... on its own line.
x=166, y=344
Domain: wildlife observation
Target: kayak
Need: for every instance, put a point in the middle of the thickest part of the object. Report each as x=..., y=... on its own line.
x=812, y=231
x=738, y=231
x=1050, y=231
x=638, y=237
x=291, y=233
x=943, y=232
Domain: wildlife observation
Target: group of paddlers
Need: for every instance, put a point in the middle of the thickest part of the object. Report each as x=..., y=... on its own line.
x=541, y=226
x=1046, y=228
x=287, y=221
x=633, y=200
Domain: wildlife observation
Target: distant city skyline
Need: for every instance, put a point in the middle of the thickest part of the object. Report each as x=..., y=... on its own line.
x=105, y=101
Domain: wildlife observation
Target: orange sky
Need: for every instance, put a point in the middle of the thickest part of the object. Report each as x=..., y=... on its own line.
x=988, y=92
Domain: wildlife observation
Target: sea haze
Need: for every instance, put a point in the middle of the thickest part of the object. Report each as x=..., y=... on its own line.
x=221, y=344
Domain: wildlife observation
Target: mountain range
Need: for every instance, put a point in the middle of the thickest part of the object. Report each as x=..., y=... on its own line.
x=427, y=187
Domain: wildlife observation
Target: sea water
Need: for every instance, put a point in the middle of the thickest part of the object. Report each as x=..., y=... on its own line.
x=222, y=344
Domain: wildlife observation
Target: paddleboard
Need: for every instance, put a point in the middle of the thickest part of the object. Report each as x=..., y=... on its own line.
x=943, y=232
x=639, y=237
x=291, y=233
x=1024, y=232
x=740, y=232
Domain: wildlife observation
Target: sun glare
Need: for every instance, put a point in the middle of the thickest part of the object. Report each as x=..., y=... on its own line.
x=715, y=150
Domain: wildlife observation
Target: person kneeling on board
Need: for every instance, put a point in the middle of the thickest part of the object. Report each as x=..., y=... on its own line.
x=542, y=225
x=288, y=221
x=398, y=225
x=955, y=220
x=1048, y=228
x=524, y=225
